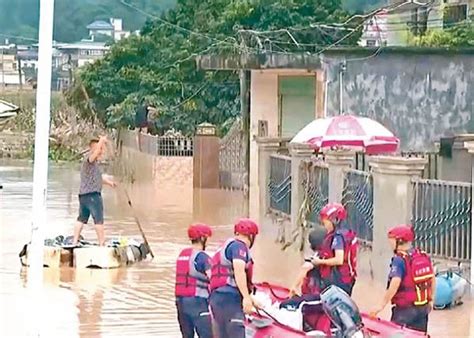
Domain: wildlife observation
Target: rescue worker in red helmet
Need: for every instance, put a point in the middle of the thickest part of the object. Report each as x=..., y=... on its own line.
x=411, y=281
x=231, y=281
x=192, y=284
x=337, y=258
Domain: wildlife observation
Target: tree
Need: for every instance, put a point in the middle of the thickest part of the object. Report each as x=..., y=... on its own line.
x=159, y=65
x=362, y=5
x=461, y=35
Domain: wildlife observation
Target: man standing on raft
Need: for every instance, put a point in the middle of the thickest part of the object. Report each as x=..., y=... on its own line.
x=90, y=198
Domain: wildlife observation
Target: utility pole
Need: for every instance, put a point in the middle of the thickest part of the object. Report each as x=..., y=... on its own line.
x=244, y=76
x=342, y=69
x=40, y=173
x=69, y=62
x=18, y=59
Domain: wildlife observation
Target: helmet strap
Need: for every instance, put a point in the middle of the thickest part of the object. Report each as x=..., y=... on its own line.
x=203, y=242
x=397, y=244
x=252, y=240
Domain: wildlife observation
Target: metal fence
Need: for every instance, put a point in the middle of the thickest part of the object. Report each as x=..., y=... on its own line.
x=316, y=181
x=279, y=186
x=232, y=158
x=358, y=198
x=442, y=218
x=175, y=145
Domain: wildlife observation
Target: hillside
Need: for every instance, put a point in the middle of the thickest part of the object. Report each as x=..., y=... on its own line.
x=19, y=18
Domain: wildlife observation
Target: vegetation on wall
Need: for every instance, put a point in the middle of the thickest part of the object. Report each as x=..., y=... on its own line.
x=461, y=35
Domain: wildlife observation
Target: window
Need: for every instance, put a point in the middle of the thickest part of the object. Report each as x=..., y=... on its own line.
x=454, y=14
x=371, y=43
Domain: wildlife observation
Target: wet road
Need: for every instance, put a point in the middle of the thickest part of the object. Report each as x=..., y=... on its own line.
x=137, y=301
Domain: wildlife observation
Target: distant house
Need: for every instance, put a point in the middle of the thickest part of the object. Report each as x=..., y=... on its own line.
x=100, y=27
x=374, y=31
x=394, y=27
x=74, y=55
x=80, y=53
x=10, y=70
x=112, y=28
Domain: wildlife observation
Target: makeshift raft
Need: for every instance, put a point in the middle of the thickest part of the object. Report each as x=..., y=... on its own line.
x=117, y=253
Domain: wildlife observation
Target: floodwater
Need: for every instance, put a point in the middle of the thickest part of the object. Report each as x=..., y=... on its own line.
x=137, y=301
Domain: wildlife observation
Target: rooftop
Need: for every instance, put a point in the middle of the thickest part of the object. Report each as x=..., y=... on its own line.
x=276, y=60
x=7, y=109
x=83, y=45
x=100, y=25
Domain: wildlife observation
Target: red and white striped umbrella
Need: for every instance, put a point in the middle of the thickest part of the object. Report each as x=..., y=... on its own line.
x=348, y=131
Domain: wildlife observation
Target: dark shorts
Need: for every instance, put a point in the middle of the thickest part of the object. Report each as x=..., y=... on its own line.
x=413, y=317
x=228, y=315
x=91, y=205
x=194, y=317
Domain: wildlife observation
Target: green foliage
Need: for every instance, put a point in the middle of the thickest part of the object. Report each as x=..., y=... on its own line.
x=57, y=153
x=159, y=66
x=21, y=17
x=357, y=6
x=458, y=36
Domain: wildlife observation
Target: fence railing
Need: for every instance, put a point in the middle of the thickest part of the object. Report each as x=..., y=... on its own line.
x=158, y=145
x=279, y=186
x=232, y=158
x=442, y=218
x=358, y=198
x=431, y=170
x=316, y=181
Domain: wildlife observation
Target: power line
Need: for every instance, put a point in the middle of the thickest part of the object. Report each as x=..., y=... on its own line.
x=166, y=22
x=191, y=96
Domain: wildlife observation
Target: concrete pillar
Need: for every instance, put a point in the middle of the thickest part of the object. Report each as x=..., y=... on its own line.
x=338, y=161
x=206, y=157
x=393, y=203
x=470, y=148
x=299, y=153
x=259, y=198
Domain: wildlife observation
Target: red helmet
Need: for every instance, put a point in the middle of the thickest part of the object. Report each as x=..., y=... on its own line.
x=335, y=212
x=402, y=232
x=245, y=226
x=199, y=230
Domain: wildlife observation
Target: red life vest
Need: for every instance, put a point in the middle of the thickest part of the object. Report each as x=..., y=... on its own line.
x=222, y=271
x=415, y=288
x=345, y=273
x=312, y=283
x=189, y=281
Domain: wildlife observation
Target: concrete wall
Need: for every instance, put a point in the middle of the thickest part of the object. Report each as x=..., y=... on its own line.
x=420, y=97
x=142, y=167
x=166, y=181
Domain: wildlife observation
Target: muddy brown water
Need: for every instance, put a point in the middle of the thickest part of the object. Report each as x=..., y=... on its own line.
x=138, y=301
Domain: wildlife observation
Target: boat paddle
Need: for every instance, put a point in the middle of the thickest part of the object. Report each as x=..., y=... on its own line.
x=129, y=201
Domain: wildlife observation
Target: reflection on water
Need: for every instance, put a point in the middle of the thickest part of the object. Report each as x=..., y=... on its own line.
x=136, y=301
